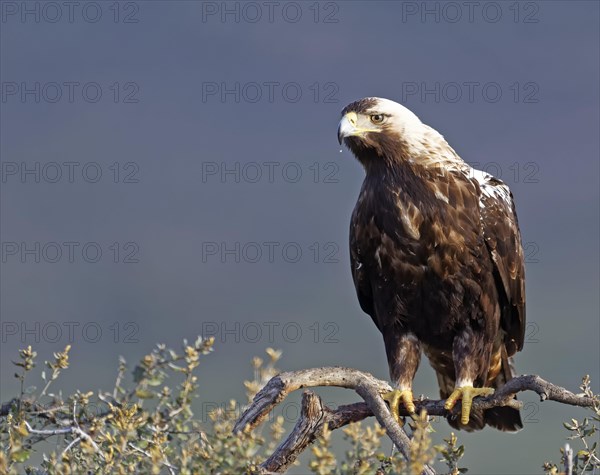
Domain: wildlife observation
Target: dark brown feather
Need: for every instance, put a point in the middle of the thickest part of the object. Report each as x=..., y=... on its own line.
x=503, y=239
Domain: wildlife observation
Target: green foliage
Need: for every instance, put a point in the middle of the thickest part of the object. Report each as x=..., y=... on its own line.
x=366, y=456
x=451, y=454
x=586, y=458
x=149, y=426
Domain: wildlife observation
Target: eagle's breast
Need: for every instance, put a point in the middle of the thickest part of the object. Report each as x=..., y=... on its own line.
x=417, y=236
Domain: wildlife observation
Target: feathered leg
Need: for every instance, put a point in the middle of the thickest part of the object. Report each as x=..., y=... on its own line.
x=471, y=355
x=403, y=354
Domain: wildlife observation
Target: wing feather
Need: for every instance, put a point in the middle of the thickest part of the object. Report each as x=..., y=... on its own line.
x=503, y=239
x=362, y=283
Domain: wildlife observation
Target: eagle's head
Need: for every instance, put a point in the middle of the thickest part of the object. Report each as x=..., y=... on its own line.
x=380, y=130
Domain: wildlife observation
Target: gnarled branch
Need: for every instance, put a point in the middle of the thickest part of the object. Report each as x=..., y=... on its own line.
x=315, y=416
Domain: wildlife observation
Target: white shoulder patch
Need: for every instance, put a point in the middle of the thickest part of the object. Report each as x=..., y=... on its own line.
x=492, y=189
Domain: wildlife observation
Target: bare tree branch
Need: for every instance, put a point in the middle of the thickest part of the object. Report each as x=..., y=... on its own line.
x=67, y=430
x=315, y=416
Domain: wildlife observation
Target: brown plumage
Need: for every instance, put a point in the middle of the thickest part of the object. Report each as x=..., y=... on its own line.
x=436, y=256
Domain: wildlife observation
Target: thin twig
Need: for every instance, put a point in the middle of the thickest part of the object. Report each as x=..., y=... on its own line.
x=71, y=444
x=67, y=430
x=172, y=469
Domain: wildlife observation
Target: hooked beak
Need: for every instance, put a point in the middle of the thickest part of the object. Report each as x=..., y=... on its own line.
x=347, y=126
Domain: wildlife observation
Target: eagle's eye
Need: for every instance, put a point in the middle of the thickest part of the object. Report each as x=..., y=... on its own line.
x=377, y=118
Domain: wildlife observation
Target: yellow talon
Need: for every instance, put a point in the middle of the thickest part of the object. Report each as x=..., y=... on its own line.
x=396, y=397
x=466, y=394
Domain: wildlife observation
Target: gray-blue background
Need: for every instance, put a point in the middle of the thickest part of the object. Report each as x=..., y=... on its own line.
x=540, y=136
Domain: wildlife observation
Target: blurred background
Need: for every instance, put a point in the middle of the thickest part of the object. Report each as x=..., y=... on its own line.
x=171, y=169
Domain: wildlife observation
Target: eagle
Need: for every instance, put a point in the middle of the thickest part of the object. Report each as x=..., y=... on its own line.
x=437, y=261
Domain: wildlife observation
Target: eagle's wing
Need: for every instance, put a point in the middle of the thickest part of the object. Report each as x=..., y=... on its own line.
x=359, y=276
x=503, y=239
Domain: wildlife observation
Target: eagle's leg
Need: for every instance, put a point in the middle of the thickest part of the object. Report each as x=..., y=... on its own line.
x=466, y=393
x=403, y=354
x=469, y=351
x=397, y=396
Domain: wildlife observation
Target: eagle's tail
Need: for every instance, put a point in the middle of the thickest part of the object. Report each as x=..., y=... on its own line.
x=504, y=418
